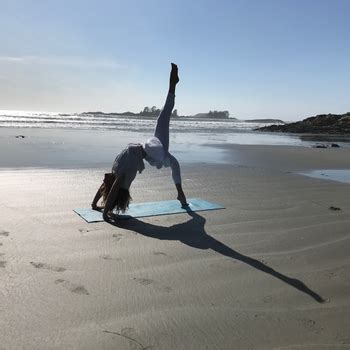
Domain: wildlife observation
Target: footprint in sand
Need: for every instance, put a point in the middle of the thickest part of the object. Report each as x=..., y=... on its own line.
x=146, y=282
x=159, y=253
x=108, y=257
x=334, y=208
x=3, y=263
x=342, y=339
x=268, y=299
x=166, y=289
x=47, y=267
x=312, y=326
x=84, y=230
x=4, y=233
x=117, y=236
x=143, y=281
x=72, y=287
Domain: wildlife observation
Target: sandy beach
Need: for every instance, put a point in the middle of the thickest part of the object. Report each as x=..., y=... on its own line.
x=271, y=271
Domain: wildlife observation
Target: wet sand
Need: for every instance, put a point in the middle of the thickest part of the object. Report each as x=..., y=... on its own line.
x=75, y=148
x=285, y=157
x=271, y=271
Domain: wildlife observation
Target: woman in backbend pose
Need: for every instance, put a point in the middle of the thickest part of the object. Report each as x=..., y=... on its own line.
x=116, y=185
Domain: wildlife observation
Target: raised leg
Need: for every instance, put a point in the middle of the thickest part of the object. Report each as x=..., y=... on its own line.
x=163, y=121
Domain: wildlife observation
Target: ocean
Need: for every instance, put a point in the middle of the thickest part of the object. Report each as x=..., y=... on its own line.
x=96, y=121
x=46, y=139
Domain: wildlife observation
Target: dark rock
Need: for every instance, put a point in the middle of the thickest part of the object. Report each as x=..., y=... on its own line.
x=20, y=136
x=335, y=145
x=320, y=124
x=320, y=146
x=334, y=208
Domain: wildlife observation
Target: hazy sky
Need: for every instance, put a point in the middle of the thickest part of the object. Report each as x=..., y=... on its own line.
x=287, y=59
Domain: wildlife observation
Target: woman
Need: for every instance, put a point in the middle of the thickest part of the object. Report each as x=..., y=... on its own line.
x=116, y=185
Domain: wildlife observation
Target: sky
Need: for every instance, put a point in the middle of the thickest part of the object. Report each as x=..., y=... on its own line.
x=286, y=59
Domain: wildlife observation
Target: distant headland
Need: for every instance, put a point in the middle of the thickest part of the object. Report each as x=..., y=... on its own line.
x=153, y=112
x=319, y=124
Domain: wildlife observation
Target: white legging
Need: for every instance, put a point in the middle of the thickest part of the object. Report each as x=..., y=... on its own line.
x=163, y=121
x=162, y=133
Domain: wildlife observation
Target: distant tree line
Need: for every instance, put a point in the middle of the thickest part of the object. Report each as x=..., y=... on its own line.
x=214, y=114
x=154, y=112
x=218, y=114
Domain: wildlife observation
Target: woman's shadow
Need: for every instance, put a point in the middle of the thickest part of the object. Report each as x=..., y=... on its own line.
x=192, y=233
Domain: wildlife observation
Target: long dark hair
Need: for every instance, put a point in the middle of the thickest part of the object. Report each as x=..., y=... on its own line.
x=123, y=197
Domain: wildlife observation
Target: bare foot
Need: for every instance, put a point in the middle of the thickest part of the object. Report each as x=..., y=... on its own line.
x=174, y=77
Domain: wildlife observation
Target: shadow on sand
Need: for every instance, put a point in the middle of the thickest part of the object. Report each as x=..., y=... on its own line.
x=192, y=233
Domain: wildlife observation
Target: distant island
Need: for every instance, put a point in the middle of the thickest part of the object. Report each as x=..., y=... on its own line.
x=319, y=124
x=214, y=115
x=153, y=112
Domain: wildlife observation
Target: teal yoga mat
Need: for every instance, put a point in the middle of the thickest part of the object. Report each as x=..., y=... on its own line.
x=140, y=210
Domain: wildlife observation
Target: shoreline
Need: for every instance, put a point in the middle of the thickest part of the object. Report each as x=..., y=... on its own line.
x=306, y=161
x=80, y=148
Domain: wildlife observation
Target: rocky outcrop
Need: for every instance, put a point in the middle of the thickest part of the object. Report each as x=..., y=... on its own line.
x=320, y=124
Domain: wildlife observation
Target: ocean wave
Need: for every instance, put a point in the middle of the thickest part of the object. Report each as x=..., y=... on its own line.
x=19, y=119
